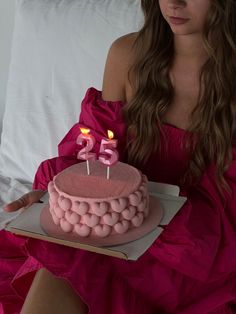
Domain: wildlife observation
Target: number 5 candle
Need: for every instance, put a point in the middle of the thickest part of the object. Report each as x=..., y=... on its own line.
x=89, y=141
x=109, y=155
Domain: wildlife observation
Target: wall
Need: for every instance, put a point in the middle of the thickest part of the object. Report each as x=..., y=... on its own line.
x=6, y=29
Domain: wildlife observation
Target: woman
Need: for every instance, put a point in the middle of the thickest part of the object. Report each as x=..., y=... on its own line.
x=169, y=95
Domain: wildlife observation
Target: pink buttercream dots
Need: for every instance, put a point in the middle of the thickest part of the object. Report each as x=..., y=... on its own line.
x=122, y=227
x=80, y=208
x=65, y=204
x=139, y=196
x=65, y=225
x=51, y=208
x=102, y=230
x=59, y=212
x=55, y=219
x=137, y=220
x=133, y=199
x=91, y=220
x=54, y=196
x=143, y=188
x=119, y=204
x=72, y=217
x=142, y=205
x=82, y=230
x=129, y=212
x=111, y=219
x=100, y=209
x=51, y=187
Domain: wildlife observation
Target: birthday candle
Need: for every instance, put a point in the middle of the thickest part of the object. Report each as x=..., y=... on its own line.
x=85, y=152
x=109, y=155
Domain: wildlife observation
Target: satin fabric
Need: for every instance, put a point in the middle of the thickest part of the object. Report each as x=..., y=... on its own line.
x=189, y=269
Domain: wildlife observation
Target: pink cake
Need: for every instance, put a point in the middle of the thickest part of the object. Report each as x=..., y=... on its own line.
x=95, y=206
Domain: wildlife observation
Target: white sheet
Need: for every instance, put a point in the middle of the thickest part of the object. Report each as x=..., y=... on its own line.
x=59, y=50
x=10, y=190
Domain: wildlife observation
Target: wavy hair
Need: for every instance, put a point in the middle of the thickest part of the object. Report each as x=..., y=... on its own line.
x=214, y=117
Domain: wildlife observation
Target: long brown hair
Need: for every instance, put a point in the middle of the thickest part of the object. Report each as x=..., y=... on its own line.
x=214, y=117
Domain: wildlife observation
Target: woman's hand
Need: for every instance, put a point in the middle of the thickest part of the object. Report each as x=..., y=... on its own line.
x=25, y=201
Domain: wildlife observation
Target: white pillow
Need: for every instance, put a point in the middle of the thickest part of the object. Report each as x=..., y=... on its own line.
x=59, y=50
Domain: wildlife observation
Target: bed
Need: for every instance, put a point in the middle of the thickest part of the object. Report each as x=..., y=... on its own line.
x=58, y=50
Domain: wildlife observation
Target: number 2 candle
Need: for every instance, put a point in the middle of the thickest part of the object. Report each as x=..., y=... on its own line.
x=85, y=153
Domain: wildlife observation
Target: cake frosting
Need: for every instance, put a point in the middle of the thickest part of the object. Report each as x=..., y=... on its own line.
x=92, y=205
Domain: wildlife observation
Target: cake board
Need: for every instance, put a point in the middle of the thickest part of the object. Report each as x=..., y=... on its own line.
x=28, y=224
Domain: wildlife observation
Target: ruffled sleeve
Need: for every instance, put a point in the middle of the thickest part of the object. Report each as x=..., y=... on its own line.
x=200, y=242
x=99, y=116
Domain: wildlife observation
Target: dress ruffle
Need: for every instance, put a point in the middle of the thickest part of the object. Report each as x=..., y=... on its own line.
x=99, y=116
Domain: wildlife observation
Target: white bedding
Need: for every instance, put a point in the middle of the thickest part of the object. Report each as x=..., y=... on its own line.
x=59, y=50
x=10, y=189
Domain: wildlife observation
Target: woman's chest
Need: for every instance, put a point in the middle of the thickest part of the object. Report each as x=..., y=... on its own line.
x=185, y=99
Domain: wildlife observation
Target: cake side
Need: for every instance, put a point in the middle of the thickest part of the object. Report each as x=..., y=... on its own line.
x=116, y=205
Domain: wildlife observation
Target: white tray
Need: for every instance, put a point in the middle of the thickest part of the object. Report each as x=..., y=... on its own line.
x=27, y=224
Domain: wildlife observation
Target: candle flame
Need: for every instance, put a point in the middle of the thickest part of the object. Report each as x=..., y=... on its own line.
x=84, y=131
x=110, y=134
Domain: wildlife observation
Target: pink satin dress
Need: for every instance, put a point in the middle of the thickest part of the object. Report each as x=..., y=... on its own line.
x=189, y=269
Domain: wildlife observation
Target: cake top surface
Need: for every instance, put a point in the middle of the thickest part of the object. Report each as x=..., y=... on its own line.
x=74, y=181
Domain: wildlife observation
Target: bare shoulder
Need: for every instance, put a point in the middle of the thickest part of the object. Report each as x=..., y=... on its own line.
x=118, y=62
x=124, y=44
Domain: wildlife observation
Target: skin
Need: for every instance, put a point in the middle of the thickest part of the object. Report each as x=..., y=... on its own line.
x=46, y=293
x=189, y=57
x=193, y=13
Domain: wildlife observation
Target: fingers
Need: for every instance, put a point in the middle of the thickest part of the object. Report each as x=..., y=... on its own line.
x=24, y=201
x=13, y=206
x=34, y=197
